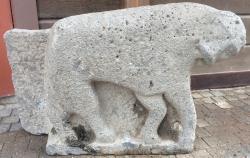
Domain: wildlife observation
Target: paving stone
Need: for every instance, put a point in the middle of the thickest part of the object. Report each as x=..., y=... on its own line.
x=19, y=146
x=229, y=139
x=207, y=100
x=211, y=106
x=22, y=133
x=231, y=97
x=213, y=141
x=201, y=132
x=9, y=120
x=201, y=154
x=242, y=96
x=184, y=156
x=202, y=123
x=5, y=112
x=1, y=146
x=7, y=137
x=206, y=94
x=200, y=144
x=228, y=92
x=239, y=91
x=214, y=121
x=196, y=95
x=222, y=103
x=15, y=127
x=246, y=101
x=237, y=103
x=25, y=155
x=5, y=155
x=243, y=136
x=198, y=101
x=36, y=143
x=217, y=93
x=217, y=152
x=217, y=131
x=4, y=128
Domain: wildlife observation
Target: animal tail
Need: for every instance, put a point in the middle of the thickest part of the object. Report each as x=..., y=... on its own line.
x=26, y=51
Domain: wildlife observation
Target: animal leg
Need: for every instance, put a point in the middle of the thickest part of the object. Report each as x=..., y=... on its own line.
x=182, y=101
x=87, y=106
x=156, y=112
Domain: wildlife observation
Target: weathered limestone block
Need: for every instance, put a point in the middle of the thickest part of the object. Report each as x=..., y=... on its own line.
x=118, y=82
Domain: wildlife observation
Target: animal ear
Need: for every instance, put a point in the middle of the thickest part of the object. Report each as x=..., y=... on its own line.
x=208, y=50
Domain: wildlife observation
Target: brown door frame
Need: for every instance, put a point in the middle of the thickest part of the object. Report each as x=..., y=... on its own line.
x=24, y=14
x=6, y=86
x=134, y=3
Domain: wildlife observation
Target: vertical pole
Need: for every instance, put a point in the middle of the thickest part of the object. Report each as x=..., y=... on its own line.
x=6, y=86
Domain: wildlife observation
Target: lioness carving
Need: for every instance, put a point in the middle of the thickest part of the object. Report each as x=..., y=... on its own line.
x=149, y=50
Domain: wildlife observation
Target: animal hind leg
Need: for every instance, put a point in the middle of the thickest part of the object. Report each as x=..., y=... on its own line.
x=86, y=104
x=156, y=112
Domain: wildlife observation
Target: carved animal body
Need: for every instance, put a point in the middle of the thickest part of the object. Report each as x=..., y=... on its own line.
x=149, y=50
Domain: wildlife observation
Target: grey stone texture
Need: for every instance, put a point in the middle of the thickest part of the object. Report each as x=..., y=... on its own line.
x=118, y=82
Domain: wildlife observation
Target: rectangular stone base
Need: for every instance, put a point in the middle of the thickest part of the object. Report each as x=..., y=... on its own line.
x=119, y=148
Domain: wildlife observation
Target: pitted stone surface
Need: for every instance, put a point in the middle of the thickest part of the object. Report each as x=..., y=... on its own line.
x=119, y=74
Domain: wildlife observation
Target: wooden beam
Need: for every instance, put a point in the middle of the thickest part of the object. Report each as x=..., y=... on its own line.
x=220, y=80
x=24, y=14
x=135, y=3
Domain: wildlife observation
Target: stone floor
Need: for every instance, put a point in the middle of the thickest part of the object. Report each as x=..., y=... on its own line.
x=223, y=128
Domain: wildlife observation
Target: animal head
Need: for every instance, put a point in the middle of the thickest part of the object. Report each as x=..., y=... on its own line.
x=227, y=39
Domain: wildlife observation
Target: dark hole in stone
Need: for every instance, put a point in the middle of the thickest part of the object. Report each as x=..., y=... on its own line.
x=82, y=134
x=117, y=56
x=111, y=41
x=53, y=131
x=193, y=34
x=151, y=84
x=127, y=22
x=168, y=16
x=100, y=36
x=84, y=137
x=150, y=38
x=237, y=22
x=130, y=39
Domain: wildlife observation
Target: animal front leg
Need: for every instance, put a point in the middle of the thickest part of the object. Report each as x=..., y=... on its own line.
x=156, y=112
x=182, y=101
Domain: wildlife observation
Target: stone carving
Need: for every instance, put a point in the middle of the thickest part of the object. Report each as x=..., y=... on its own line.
x=118, y=82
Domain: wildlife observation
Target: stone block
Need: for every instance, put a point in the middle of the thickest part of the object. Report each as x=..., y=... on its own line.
x=118, y=82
